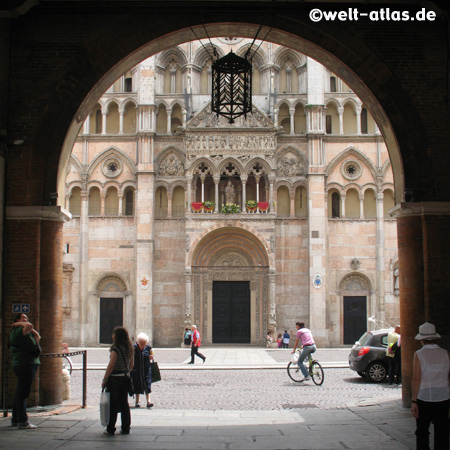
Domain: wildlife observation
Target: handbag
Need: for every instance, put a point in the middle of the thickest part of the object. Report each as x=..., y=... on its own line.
x=130, y=385
x=105, y=404
x=156, y=374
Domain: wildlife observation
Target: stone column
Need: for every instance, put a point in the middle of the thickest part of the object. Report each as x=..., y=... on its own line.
x=272, y=296
x=120, y=212
x=257, y=188
x=291, y=116
x=169, y=121
x=343, y=206
x=169, y=204
x=341, y=119
x=120, y=120
x=188, y=282
x=189, y=193
x=84, y=267
x=104, y=114
x=361, y=206
x=216, y=193
x=202, y=179
x=424, y=274
x=244, y=184
x=358, y=120
x=271, y=183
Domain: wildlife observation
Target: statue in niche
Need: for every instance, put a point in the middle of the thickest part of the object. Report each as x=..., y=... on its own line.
x=229, y=193
x=396, y=283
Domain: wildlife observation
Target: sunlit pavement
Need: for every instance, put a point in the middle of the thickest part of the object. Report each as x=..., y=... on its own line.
x=253, y=405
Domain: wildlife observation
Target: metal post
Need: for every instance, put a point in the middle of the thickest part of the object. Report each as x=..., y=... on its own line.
x=84, y=378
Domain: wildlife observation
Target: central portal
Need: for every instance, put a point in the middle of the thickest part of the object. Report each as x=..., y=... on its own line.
x=231, y=312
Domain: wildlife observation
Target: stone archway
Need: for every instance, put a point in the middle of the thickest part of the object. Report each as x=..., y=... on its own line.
x=223, y=259
x=358, y=300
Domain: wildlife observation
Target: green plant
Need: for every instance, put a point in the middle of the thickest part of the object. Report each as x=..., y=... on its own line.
x=251, y=204
x=209, y=204
x=231, y=208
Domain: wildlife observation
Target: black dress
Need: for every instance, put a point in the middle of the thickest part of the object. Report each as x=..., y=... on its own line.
x=141, y=373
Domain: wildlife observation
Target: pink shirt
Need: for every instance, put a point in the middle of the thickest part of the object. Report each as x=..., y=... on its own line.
x=305, y=336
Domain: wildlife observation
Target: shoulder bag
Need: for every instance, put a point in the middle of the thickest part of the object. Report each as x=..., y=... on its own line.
x=127, y=374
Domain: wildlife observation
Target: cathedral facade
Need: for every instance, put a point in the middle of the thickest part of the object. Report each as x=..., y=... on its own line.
x=180, y=218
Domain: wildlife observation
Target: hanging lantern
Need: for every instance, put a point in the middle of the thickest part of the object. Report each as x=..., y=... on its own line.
x=231, y=86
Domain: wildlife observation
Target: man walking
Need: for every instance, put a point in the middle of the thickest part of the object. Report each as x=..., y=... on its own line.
x=196, y=342
x=393, y=338
x=308, y=346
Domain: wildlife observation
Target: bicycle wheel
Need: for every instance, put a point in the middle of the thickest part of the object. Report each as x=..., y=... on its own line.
x=295, y=374
x=316, y=373
x=67, y=364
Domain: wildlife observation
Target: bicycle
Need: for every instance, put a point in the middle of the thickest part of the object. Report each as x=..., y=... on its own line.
x=314, y=369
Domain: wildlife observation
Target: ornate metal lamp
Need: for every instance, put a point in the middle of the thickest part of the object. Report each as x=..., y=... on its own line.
x=231, y=86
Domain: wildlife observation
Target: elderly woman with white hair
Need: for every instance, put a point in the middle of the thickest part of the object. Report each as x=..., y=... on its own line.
x=141, y=373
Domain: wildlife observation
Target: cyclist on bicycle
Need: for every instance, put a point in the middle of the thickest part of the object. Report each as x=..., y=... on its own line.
x=307, y=345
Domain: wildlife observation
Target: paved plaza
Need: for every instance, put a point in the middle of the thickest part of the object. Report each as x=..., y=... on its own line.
x=241, y=398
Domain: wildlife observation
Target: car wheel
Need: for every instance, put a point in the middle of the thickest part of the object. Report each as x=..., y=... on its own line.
x=376, y=372
x=361, y=374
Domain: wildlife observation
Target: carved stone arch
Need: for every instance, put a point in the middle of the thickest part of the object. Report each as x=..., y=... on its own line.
x=128, y=183
x=283, y=102
x=351, y=151
x=299, y=101
x=73, y=161
x=170, y=162
x=283, y=182
x=355, y=281
x=367, y=186
x=300, y=183
x=352, y=101
x=111, y=101
x=202, y=55
x=231, y=166
x=73, y=184
x=336, y=186
x=202, y=165
x=111, y=152
x=290, y=162
x=110, y=282
x=175, y=184
x=260, y=249
x=174, y=53
x=355, y=186
x=283, y=53
x=386, y=167
x=126, y=101
x=97, y=184
x=161, y=103
x=334, y=101
x=257, y=166
x=178, y=102
x=162, y=183
x=259, y=58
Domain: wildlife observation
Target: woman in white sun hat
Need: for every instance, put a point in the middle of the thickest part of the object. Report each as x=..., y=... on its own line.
x=431, y=390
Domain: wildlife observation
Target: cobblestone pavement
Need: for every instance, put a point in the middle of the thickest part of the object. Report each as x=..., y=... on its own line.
x=259, y=389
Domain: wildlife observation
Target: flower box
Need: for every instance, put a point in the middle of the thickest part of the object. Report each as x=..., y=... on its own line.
x=197, y=206
x=263, y=206
x=209, y=205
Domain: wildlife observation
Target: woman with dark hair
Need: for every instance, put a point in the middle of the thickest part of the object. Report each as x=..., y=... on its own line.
x=121, y=362
x=23, y=343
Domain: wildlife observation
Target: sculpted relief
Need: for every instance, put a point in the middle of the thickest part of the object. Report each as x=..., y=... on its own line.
x=290, y=166
x=171, y=166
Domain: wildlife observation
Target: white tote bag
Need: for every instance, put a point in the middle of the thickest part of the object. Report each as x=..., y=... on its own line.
x=105, y=401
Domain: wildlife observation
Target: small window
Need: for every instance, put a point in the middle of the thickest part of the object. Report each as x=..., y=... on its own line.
x=329, y=124
x=128, y=85
x=333, y=84
x=364, y=127
x=335, y=205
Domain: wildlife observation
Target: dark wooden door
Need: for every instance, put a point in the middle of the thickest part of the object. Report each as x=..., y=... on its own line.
x=231, y=312
x=355, y=318
x=111, y=316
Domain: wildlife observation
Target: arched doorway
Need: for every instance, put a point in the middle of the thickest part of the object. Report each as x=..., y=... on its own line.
x=229, y=285
x=355, y=292
x=111, y=295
